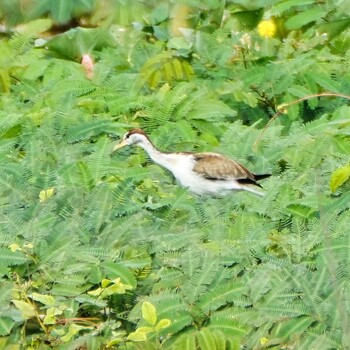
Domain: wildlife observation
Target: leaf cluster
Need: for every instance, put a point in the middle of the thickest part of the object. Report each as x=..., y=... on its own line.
x=101, y=250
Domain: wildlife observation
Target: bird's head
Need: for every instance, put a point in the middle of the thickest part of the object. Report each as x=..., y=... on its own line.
x=132, y=137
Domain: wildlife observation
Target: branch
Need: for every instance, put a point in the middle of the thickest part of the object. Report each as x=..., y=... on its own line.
x=281, y=109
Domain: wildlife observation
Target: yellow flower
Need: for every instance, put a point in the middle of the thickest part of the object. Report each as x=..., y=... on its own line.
x=264, y=341
x=267, y=28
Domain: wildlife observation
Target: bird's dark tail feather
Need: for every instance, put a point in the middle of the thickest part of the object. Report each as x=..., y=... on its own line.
x=253, y=182
x=261, y=176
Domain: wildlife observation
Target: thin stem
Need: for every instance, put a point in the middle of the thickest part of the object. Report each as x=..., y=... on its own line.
x=29, y=301
x=283, y=107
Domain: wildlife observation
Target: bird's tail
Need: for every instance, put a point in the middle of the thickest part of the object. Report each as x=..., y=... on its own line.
x=261, y=176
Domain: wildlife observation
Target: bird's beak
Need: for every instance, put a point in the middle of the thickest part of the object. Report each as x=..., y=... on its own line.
x=119, y=145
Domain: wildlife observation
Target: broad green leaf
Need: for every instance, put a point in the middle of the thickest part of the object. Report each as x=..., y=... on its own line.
x=52, y=313
x=282, y=6
x=293, y=110
x=137, y=336
x=149, y=313
x=145, y=330
x=339, y=177
x=114, y=341
x=106, y=282
x=44, y=299
x=96, y=292
x=50, y=316
x=72, y=331
x=6, y=324
x=27, y=310
x=5, y=81
x=111, y=288
x=117, y=288
x=163, y=323
x=78, y=41
x=247, y=19
x=179, y=73
x=305, y=17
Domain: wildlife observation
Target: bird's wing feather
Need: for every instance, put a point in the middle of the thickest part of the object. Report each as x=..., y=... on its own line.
x=216, y=167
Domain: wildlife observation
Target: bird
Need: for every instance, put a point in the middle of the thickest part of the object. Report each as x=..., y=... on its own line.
x=205, y=173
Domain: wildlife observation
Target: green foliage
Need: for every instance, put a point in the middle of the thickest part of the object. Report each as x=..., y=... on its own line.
x=339, y=177
x=102, y=250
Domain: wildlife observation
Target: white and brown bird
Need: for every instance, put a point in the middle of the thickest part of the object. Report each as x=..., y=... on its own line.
x=202, y=173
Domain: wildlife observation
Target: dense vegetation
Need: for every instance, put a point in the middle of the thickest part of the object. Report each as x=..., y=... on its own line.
x=101, y=250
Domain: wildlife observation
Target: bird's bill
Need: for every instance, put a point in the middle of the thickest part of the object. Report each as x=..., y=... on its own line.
x=119, y=145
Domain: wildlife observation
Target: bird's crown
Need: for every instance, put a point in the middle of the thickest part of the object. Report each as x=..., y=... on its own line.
x=133, y=132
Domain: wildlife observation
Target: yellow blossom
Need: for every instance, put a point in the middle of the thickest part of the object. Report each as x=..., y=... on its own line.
x=264, y=341
x=267, y=28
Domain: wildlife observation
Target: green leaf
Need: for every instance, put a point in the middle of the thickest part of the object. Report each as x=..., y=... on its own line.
x=163, y=323
x=110, y=288
x=114, y=341
x=44, y=299
x=78, y=41
x=299, y=91
x=305, y=17
x=6, y=324
x=293, y=327
x=27, y=310
x=96, y=292
x=149, y=313
x=185, y=341
x=106, y=282
x=339, y=177
x=282, y=6
x=325, y=81
x=72, y=331
x=292, y=110
x=300, y=210
x=119, y=270
x=333, y=28
x=137, y=336
x=145, y=330
x=248, y=19
x=220, y=340
x=206, y=340
x=11, y=258
x=116, y=288
x=50, y=316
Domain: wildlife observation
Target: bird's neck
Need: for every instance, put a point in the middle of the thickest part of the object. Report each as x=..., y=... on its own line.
x=161, y=158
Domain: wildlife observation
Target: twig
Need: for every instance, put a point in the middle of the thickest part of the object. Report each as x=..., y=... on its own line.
x=283, y=107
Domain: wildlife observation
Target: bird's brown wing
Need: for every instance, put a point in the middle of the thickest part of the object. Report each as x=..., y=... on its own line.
x=216, y=167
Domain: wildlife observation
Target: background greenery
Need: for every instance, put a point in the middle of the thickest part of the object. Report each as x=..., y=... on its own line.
x=101, y=250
